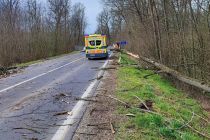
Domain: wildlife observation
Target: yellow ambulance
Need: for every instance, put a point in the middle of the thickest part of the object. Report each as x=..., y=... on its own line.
x=96, y=46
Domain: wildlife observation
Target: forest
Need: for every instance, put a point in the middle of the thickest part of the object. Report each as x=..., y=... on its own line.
x=175, y=33
x=32, y=29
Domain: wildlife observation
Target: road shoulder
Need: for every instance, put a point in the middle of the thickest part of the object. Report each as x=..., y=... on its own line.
x=135, y=103
x=100, y=116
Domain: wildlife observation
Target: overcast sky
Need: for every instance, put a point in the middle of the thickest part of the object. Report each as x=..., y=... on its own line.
x=93, y=8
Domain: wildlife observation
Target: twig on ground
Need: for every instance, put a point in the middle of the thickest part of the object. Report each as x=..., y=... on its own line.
x=198, y=132
x=62, y=125
x=98, y=124
x=112, y=128
x=98, y=78
x=122, y=102
x=142, y=102
x=202, y=118
x=82, y=133
x=152, y=112
x=184, y=125
x=84, y=99
x=63, y=113
x=130, y=115
x=128, y=106
x=91, y=112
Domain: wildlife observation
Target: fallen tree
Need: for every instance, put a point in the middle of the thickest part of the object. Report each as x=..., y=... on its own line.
x=173, y=73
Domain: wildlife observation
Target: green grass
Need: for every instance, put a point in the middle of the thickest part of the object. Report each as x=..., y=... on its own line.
x=41, y=60
x=174, y=106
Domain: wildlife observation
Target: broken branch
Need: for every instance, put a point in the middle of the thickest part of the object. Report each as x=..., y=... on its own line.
x=187, y=122
x=142, y=102
x=84, y=99
x=98, y=78
x=112, y=128
x=98, y=124
x=63, y=113
x=188, y=80
x=30, y=129
x=124, y=103
x=198, y=132
x=108, y=68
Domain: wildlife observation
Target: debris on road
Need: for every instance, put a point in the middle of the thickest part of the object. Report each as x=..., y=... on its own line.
x=65, y=101
x=98, y=78
x=29, y=129
x=64, y=113
x=41, y=102
x=95, y=68
x=60, y=95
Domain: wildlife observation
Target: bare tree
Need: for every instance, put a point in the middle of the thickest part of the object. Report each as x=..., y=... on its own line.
x=78, y=22
x=103, y=20
x=58, y=12
x=174, y=32
x=30, y=30
x=10, y=28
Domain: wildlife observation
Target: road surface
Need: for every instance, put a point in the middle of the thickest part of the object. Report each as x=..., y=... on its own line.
x=30, y=101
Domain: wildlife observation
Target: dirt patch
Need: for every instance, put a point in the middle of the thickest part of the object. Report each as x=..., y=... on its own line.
x=100, y=119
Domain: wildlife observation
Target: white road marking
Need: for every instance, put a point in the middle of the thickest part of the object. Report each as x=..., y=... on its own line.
x=23, y=82
x=63, y=131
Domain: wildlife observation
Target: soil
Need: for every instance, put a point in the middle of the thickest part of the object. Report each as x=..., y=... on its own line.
x=100, y=116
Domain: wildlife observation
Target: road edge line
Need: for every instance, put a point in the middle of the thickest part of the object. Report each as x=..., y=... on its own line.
x=40, y=75
x=78, y=112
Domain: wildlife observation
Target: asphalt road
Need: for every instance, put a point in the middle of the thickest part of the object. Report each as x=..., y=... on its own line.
x=31, y=100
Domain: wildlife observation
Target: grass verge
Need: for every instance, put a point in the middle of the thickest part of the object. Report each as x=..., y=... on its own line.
x=176, y=111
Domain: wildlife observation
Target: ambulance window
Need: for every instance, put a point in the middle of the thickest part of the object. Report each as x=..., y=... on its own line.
x=92, y=42
x=98, y=42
